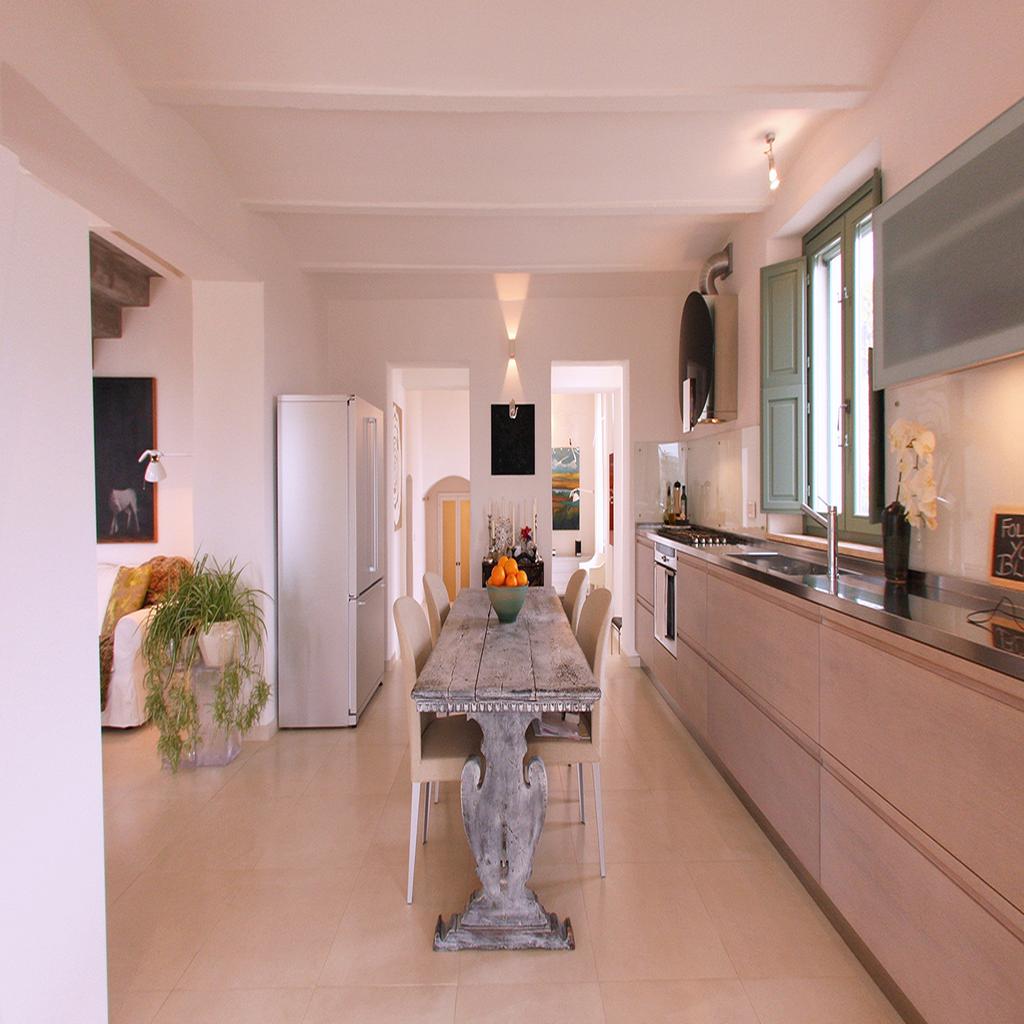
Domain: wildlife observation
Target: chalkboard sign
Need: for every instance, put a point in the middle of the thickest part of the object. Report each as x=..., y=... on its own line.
x=1008, y=547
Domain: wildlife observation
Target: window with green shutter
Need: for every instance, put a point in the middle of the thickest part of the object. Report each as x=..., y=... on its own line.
x=821, y=423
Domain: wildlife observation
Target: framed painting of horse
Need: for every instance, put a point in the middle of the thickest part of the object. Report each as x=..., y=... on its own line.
x=124, y=426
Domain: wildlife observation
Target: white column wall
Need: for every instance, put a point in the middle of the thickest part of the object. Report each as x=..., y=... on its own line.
x=231, y=438
x=52, y=910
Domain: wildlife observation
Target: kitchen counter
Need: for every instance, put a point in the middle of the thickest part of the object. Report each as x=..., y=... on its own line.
x=877, y=737
x=932, y=610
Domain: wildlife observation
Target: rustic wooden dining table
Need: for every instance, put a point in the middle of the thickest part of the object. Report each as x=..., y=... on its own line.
x=504, y=675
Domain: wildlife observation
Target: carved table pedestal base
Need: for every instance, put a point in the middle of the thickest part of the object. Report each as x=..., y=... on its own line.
x=503, y=808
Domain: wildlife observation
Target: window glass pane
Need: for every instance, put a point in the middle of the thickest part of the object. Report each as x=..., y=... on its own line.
x=826, y=377
x=863, y=339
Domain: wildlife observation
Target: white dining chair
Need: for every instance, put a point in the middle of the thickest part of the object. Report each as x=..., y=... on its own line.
x=595, y=569
x=438, y=747
x=438, y=606
x=574, y=596
x=585, y=748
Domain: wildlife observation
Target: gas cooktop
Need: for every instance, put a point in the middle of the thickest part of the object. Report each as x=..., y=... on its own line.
x=700, y=536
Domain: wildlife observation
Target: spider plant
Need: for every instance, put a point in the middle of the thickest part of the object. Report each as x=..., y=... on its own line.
x=207, y=593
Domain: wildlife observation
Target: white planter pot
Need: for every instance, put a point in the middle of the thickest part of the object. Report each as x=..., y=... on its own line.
x=219, y=644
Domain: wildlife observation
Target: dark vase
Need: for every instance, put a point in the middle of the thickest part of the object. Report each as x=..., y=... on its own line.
x=895, y=542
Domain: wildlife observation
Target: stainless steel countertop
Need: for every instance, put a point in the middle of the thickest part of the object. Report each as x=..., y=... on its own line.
x=931, y=609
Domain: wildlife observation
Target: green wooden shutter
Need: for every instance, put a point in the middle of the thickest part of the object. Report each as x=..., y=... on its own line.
x=784, y=386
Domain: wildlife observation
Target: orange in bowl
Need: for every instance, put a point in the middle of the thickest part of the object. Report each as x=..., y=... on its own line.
x=507, y=599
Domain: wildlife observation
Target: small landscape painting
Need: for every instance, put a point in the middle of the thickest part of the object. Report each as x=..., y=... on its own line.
x=124, y=426
x=565, y=488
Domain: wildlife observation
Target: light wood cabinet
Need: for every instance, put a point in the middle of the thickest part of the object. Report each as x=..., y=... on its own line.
x=664, y=667
x=777, y=773
x=947, y=756
x=769, y=643
x=893, y=772
x=690, y=690
x=645, y=642
x=691, y=601
x=955, y=962
x=644, y=569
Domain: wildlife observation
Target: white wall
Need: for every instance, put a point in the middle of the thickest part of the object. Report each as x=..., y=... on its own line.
x=437, y=429
x=156, y=342
x=572, y=418
x=960, y=67
x=366, y=335
x=52, y=937
x=75, y=118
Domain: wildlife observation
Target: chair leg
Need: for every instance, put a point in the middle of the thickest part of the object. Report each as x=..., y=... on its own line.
x=579, y=783
x=426, y=810
x=414, y=820
x=599, y=811
x=437, y=792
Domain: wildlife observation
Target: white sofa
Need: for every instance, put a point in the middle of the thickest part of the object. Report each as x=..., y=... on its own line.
x=126, y=694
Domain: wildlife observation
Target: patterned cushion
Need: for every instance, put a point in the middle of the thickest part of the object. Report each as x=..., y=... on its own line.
x=165, y=572
x=106, y=665
x=126, y=595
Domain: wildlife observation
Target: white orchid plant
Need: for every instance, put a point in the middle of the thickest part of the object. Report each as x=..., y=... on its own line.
x=914, y=447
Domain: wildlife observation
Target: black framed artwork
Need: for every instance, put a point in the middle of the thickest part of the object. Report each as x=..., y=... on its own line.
x=124, y=426
x=512, y=451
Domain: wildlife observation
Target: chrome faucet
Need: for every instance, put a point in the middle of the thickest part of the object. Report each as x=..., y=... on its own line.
x=830, y=522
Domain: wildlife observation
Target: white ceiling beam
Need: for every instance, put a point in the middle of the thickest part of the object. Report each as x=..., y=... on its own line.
x=614, y=208
x=347, y=98
x=532, y=268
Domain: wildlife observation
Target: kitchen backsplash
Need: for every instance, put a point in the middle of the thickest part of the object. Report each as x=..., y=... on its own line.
x=978, y=419
x=723, y=479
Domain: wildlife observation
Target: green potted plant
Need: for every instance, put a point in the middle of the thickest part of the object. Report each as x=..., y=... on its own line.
x=208, y=630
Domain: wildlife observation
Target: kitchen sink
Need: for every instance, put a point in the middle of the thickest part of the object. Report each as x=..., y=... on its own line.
x=777, y=562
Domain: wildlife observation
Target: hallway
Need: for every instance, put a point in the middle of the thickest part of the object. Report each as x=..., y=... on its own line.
x=272, y=891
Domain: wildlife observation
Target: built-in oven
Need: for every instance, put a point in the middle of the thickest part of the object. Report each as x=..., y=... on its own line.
x=665, y=597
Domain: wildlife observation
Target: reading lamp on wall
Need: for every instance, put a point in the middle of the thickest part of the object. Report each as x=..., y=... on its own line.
x=155, y=471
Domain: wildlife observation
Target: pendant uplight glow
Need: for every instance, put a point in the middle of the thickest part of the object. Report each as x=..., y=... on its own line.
x=773, y=175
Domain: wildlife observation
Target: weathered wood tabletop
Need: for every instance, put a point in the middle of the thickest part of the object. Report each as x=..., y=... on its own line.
x=533, y=661
x=504, y=675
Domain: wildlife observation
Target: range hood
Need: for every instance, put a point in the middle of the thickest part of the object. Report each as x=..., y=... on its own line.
x=708, y=349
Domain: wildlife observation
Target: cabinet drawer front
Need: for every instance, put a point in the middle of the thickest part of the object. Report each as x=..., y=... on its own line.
x=955, y=963
x=691, y=601
x=645, y=642
x=644, y=569
x=769, y=647
x=664, y=667
x=777, y=773
x=949, y=758
x=690, y=687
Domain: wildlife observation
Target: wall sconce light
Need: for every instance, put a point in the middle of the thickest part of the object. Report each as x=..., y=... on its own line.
x=513, y=409
x=155, y=471
x=773, y=175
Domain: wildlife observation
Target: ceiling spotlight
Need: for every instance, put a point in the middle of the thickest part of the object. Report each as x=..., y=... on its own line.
x=773, y=175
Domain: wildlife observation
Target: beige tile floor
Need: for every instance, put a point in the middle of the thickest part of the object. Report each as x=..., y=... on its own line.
x=272, y=891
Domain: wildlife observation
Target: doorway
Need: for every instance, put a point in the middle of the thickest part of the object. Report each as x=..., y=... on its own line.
x=588, y=454
x=452, y=525
x=431, y=423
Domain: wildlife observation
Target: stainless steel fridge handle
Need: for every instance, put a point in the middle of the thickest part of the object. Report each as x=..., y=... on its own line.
x=372, y=442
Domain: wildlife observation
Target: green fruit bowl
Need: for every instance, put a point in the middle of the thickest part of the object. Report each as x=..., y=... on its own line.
x=507, y=602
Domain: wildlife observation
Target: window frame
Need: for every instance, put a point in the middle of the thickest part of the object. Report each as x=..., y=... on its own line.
x=839, y=228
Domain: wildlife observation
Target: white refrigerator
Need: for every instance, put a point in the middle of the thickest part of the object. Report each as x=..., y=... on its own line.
x=331, y=544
